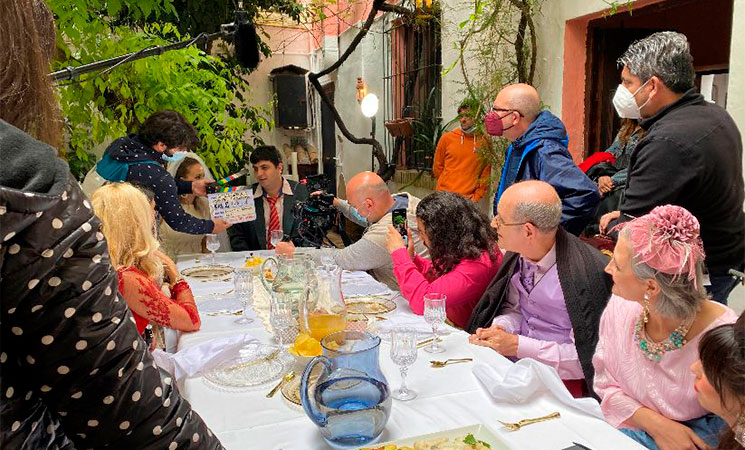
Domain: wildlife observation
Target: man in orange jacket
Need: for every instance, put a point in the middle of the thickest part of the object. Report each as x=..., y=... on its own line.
x=457, y=165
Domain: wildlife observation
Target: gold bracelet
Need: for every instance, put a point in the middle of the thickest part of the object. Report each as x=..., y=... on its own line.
x=178, y=279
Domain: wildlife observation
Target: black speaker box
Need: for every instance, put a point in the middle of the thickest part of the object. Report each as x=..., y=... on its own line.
x=292, y=102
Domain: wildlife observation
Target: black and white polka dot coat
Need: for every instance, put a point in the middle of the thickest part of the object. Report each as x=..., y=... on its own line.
x=74, y=372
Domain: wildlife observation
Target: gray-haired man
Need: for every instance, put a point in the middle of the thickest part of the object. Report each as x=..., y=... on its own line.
x=546, y=300
x=691, y=156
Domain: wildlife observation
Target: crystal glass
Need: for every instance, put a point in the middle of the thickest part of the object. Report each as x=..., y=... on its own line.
x=434, y=314
x=325, y=312
x=213, y=243
x=282, y=319
x=275, y=237
x=403, y=354
x=243, y=287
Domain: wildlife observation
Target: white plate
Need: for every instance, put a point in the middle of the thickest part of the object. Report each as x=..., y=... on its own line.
x=480, y=432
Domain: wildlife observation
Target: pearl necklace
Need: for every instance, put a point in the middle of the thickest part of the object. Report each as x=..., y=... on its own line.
x=654, y=350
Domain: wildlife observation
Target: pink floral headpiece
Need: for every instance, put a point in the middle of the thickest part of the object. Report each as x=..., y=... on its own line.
x=667, y=240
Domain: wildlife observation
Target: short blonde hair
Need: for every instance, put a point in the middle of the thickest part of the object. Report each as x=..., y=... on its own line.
x=128, y=221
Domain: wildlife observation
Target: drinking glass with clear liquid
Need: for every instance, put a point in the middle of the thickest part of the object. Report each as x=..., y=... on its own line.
x=244, y=289
x=212, y=244
x=434, y=314
x=403, y=354
x=275, y=237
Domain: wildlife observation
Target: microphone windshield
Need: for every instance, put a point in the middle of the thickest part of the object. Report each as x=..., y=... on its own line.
x=246, y=45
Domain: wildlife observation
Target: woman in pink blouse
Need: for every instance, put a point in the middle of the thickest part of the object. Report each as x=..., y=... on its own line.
x=463, y=250
x=650, y=330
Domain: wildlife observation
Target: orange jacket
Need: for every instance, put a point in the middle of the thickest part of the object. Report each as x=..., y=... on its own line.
x=457, y=166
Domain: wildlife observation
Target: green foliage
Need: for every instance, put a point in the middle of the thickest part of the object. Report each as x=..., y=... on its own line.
x=428, y=130
x=103, y=107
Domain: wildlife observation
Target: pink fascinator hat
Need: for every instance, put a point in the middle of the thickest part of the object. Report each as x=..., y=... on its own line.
x=667, y=240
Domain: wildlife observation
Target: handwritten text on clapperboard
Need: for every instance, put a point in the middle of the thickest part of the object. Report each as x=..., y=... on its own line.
x=233, y=207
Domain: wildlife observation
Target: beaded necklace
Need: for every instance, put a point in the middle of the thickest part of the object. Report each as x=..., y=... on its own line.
x=654, y=350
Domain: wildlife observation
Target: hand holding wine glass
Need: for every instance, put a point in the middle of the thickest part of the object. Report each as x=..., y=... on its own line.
x=403, y=354
x=435, y=314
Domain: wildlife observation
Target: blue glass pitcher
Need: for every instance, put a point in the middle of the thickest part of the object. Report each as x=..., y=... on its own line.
x=350, y=402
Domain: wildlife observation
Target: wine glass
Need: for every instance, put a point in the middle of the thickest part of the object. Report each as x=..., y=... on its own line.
x=403, y=354
x=282, y=320
x=244, y=288
x=434, y=314
x=213, y=243
x=275, y=237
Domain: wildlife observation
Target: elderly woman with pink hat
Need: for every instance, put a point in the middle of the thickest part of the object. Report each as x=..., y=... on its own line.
x=649, y=333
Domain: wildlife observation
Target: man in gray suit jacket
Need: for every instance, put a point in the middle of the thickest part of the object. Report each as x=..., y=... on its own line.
x=274, y=197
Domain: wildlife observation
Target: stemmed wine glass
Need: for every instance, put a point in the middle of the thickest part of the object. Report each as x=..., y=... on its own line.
x=275, y=237
x=213, y=243
x=244, y=288
x=280, y=317
x=434, y=314
x=403, y=354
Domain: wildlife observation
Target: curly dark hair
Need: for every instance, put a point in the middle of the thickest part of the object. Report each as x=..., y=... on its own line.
x=722, y=353
x=456, y=230
x=170, y=128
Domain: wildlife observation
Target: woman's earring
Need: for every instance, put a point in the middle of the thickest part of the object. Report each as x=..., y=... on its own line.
x=646, y=307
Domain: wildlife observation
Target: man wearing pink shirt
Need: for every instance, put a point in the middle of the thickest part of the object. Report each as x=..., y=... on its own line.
x=546, y=300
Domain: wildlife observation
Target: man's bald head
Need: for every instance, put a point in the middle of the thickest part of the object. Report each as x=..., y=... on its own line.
x=367, y=184
x=520, y=97
x=533, y=201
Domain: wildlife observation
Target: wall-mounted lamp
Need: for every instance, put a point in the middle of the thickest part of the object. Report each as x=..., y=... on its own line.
x=361, y=89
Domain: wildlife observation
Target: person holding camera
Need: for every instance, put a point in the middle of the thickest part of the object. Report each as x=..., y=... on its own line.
x=370, y=204
x=274, y=197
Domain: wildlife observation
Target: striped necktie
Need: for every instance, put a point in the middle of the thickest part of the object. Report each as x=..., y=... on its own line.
x=273, y=220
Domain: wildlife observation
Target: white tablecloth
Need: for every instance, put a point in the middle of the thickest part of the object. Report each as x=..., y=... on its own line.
x=448, y=398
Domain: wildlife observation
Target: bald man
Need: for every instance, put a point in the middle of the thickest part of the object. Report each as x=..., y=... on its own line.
x=538, y=151
x=370, y=204
x=546, y=300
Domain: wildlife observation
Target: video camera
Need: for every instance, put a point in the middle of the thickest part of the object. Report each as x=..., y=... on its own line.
x=316, y=215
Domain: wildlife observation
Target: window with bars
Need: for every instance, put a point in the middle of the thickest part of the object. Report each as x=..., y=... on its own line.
x=412, y=89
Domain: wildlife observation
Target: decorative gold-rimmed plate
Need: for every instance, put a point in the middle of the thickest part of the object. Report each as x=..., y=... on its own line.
x=370, y=305
x=477, y=434
x=208, y=273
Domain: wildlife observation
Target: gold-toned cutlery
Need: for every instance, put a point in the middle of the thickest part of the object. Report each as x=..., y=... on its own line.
x=438, y=364
x=266, y=358
x=427, y=342
x=285, y=379
x=522, y=423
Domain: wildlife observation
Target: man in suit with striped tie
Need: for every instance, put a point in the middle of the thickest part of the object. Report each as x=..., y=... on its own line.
x=274, y=198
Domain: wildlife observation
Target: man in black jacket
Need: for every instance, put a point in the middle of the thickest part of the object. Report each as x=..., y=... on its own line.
x=546, y=300
x=274, y=198
x=691, y=156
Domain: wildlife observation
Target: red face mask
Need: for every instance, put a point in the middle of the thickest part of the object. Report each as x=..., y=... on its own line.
x=493, y=123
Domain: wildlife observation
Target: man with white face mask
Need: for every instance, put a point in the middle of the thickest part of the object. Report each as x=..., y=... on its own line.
x=457, y=164
x=691, y=156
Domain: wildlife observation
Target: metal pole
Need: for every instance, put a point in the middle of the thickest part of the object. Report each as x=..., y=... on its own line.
x=372, y=149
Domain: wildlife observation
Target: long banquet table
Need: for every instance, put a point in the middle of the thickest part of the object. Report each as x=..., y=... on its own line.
x=447, y=398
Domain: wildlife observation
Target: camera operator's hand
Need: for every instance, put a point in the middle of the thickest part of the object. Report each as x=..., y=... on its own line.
x=317, y=193
x=393, y=240
x=285, y=249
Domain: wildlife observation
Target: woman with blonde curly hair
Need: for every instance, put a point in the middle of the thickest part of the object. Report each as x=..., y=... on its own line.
x=127, y=219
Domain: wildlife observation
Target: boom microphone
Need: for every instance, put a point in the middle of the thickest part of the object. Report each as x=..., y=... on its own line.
x=246, y=45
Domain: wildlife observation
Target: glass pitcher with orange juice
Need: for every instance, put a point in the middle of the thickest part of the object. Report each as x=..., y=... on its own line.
x=326, y=312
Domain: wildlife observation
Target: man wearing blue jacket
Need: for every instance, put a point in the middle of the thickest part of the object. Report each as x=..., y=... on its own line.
x=538, y=151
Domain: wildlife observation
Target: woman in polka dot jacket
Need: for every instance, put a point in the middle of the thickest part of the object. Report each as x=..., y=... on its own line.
x=74, y=372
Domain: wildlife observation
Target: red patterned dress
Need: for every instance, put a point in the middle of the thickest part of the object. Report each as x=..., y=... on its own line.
x=149, y=304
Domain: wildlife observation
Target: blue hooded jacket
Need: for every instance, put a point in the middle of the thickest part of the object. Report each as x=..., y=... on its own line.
x=541, y=154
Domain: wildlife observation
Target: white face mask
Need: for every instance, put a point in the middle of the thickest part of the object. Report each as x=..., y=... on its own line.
x=625, y=104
